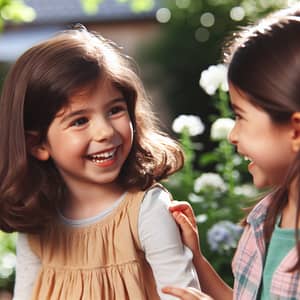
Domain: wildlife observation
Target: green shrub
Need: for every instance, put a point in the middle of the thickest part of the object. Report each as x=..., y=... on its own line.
x=217, y=196
x=7, y=260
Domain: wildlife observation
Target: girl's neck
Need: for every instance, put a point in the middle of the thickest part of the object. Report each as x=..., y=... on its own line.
x=289, y=216
x=84, y=203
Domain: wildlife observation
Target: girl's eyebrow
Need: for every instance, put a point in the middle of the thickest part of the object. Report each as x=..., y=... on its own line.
x=117, y=100
x=73, y=114
x=235, y=107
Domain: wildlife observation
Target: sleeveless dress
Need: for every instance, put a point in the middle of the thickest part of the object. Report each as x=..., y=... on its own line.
x=103, y=260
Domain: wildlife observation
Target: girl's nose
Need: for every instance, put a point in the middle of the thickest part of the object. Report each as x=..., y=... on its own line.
x=103, y=130
x=232, y=136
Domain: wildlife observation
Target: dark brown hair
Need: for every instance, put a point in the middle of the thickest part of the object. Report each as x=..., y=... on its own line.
x=264, y=64
x=39, y=85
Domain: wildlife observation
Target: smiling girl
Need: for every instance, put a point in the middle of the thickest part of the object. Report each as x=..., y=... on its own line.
x=264, y=87
x=81, y=158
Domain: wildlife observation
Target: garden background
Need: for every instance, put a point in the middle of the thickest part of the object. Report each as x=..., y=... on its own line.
x=186, y=66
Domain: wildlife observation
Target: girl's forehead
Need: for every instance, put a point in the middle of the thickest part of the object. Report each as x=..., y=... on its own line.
x=237, y=95
x=82, y=93
x=76, y=99
x=103, y=90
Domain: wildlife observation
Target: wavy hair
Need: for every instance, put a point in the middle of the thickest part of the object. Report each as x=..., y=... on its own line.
x=39, y=85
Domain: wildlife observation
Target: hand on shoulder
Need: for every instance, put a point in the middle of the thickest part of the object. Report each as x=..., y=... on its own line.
x=184, y=216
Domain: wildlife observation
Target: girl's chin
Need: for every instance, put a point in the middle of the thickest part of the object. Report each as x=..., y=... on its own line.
x=261, y=184
x=260, y=181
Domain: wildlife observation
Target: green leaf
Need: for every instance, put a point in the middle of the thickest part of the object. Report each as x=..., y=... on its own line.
x=208, y=158
x=90, y=6
x=17, y=11
x=141, y=5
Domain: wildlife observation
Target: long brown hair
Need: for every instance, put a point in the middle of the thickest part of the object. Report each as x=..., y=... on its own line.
x=40, y=84
x=264, y=64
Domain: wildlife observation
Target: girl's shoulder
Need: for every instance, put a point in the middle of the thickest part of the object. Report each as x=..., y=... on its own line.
x=157, y=193
x=158, y=188
x=259, y=210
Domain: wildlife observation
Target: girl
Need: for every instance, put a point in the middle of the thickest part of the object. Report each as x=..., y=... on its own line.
x=264, y=86
x=81, y=154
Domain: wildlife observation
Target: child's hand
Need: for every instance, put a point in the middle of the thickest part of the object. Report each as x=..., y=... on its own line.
x=186, y=293
x=184, y=216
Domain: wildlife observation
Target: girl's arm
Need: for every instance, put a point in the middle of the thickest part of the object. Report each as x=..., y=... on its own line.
x=211, y=283
x=170, y=260
x=27, y=268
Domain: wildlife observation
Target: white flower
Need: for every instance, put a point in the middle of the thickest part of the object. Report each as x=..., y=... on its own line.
x=202, y=218
x=247, y=190
x=7, y=264
x=213, y=180
x=221, y=128
x=195, y=198
x=213, y=78
x=9, y=260
x=192, y=123
x=237, y=160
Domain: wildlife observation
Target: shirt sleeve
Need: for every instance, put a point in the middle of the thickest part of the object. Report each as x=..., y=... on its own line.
x=170, y=260
x=27, y=268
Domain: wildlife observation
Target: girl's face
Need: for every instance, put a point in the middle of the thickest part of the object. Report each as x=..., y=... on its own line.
x=266, y=144
x=90, y=139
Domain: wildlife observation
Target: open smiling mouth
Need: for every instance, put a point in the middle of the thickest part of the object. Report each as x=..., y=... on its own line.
x=103, y=157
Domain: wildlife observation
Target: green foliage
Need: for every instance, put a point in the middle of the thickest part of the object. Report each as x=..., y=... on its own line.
x=15, y=11
x=92, y=6
x=217, y=196
x=7, y=260
x=187, y=46
x=141, y=5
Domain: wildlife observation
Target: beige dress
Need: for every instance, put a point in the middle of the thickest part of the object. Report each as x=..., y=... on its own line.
x=103, y=260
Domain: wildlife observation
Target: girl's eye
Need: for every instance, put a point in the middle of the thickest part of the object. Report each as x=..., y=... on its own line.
x=79, y=122
x=237, y=116
x=117, y=109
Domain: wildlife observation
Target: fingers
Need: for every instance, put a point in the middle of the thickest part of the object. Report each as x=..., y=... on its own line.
x=185, y=208
x=183, y=221
x=186, y=293
x=179, y=205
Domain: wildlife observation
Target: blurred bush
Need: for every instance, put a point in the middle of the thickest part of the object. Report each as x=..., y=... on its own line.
x=192, y=36
x=219, y=195
x=7, y=260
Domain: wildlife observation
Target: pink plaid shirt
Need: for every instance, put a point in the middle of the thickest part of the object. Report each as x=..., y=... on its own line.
x=248, y=262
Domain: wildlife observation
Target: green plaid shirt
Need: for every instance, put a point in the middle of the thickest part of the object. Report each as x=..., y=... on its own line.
x=248, y=262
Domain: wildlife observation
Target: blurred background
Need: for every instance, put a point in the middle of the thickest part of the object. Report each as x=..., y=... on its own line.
x=177, y=45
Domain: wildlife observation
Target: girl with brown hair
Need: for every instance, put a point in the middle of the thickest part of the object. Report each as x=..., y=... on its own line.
x=81, y=158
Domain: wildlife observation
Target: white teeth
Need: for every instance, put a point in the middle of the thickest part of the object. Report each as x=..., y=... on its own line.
x=102, y=156
x=247, y=158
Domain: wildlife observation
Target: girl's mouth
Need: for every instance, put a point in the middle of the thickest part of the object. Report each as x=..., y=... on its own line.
x=250, y=162
x=100, y=158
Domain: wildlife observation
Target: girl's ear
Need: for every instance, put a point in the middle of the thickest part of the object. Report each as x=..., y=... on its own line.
x=35, y=147
x=295, y=120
